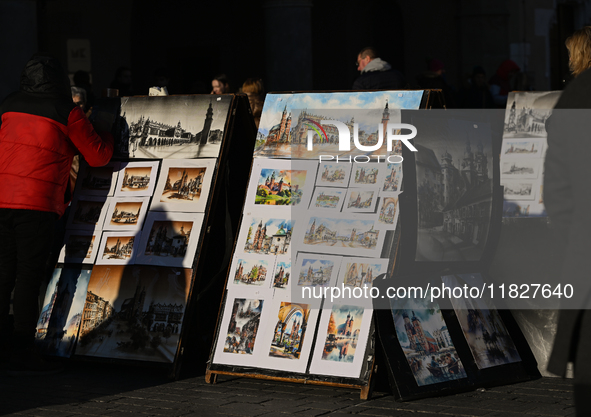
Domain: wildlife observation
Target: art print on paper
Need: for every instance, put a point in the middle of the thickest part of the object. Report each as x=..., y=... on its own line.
x=455, y=190
x=518, y=190
x=342, y=334
x=393, y=178
x=62, y=312
x=136, y=179
x=280, y=187
x=250, y=271
x=183, y=185
x=520, y=169
x=97, y=180
x=282, y=273
x=134, y=312
x=316, y=270
x=244, y=326
x=333, y=175
x=527, y=113
x=170, y=239
x=346, y=235
x=80, y=246
x=366, y=175
x=424, y=338
x=485, y=332
x=173, y=127
x=88, y=213
x=118, y=248
x=361, y=200
x=126, y=213
x=360, y=272
x=287, y=119
x=388, y=211
x=522, y=148
x=268, y=235
x=290, y=330
x=327, y=198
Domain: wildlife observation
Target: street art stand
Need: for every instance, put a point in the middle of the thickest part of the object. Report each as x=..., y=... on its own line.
x=148, y=237
x=263, y=330
x=450, y=219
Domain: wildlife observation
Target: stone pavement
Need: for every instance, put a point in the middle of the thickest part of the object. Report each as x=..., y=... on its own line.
x=107, y=390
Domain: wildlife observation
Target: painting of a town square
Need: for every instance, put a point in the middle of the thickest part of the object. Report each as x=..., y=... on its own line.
x=267, y=235
x=342, y=334
x=80, y=246
x=250, y=271
x=62, y=311
x=118, y=248
x=393, y=178
x=361, y=200
x=170, y=239
x=126, y=213
x=455, y=190
x=244, y=326
x=483, y=327
x=328, y=198
x=173, y=127
x=282, y=273
x=134, y=312
x=527, y=113
x=97, y=180
x=360, y=272
x=333, y=174
x=424, y=337
x=290, y=330
x=287, y=119
x=88, y=213
x=388, y=211
x=351, y=234
x=317, y=270
x=137, y=179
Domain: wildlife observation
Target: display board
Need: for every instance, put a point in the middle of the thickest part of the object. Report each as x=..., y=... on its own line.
x=317, y=216
x=131, y=270
x=445, y=334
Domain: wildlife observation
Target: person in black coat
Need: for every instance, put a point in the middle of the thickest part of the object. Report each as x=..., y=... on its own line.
x=376, y=74
x=567, y=197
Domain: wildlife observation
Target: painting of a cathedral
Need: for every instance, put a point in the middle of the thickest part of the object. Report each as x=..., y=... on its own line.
x=169, y=238
x=290, y=330
x=183, y=184
x=527, y=113
x=342, y=334
x=425, y=340
x=315, y=272
x=173, y=127
x=269, y=236
x=281, y=274
x=280, y=187
x=454, y=181
x=360, y=274
x=249, y=272
x=244, y=326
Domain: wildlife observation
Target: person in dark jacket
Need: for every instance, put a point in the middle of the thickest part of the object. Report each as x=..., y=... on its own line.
x=40, y=132
x=376, y=74
x=567, y=198
x=434, y=78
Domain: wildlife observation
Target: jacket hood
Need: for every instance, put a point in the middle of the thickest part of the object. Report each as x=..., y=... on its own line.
x=377, y=64
x=44, y=75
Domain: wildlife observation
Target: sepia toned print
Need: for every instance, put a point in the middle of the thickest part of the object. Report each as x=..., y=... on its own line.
x=280, y=187
x=244, y=326
x=126, y=213
x=136, y=179
x=97, y=178
x=88, y=212
x=342, y=334
x=183, y=185
x=169, y=238
x=290, y=330
x=79, y=246
x=118, y=247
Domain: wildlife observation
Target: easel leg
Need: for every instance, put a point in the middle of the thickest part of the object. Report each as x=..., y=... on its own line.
x=364, y=395
x=211, y=377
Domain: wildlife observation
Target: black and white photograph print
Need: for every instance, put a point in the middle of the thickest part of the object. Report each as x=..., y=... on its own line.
x=455, y=190
x=118, y=248
x=174, y=127
x=170, y=239
x=183, y=185
x=527, y=113
x=137, y=179
x=126, y=213
x=98, y=181
x=88, y=213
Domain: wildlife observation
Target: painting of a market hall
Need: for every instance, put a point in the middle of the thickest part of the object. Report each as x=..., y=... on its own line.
x=283, y=132
x=455, y=199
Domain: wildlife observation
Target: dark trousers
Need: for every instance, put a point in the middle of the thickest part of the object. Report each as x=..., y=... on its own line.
x=26, y=237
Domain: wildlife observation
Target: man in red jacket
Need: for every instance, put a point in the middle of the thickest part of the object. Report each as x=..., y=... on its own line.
x=41, y=130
